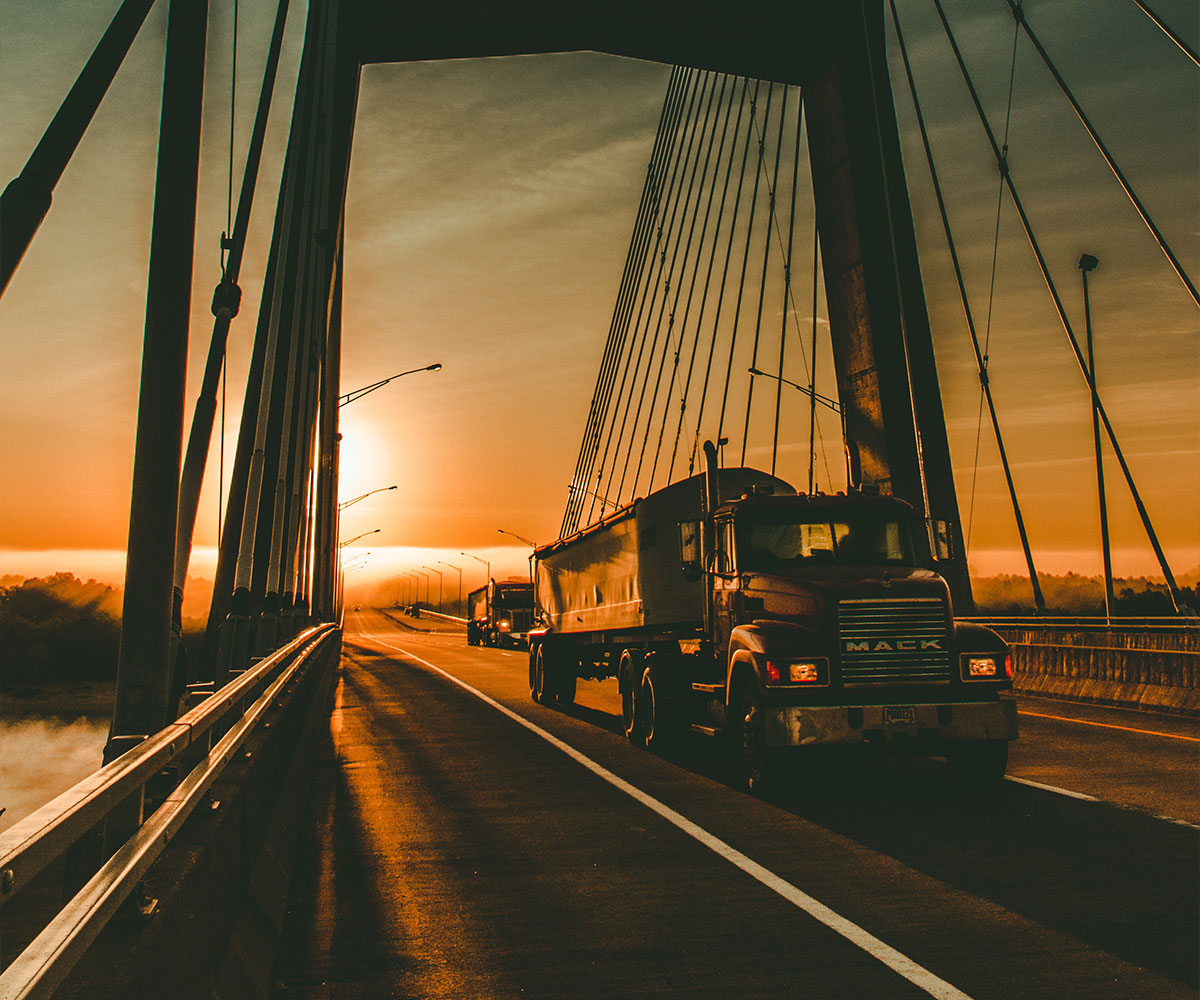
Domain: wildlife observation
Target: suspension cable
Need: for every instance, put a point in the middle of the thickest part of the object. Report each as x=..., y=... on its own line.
x=787, y=275
x=987, y=336
x=646, y=278
x=737, y=312
x=712, y=191
x=1019, y=15
x=728, y=253
x=980, y=356
x=618, y=329
x=1188, y=51
x=685, y=387
x=671, y=326
x=772, y=186
x=647, y=306
x=1062, y=314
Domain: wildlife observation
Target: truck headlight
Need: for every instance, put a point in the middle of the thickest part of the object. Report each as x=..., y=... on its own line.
x=981, y=666
x=793, y=672
x=804, y=672
x=503, y=625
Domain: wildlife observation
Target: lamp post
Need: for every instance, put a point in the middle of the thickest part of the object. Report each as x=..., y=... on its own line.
x=485, y=563
x=382, y=489
x=459, y=605
x=519, y=538
x=1087, y=264
x=816, y=398
x=439, y=573
x=348, y=541
x=522, y=538
x=411, y=581
x=358, y=393
x=426, y=575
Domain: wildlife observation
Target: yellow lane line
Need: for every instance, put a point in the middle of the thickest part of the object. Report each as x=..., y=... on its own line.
x=1109, y=725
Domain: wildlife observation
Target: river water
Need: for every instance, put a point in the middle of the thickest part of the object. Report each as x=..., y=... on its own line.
x=43, y=756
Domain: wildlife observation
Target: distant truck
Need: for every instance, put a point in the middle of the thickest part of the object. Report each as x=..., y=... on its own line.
x=500, y=614
x=730, y=605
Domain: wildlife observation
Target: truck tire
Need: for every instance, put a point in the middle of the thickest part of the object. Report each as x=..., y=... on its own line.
x=978, y=766
x=566, y=681
x=472, y=635
x=629, y=674
x=659, y=724
x=757, y=763
x=541, y=693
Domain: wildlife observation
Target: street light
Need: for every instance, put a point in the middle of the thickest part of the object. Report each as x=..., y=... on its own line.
x=833, y=404
x=442, y=562
x=354, y=394
x=439, y=573
x=519, y=538
x=426, y=575
x=343, y=506
x=342, y=545
x=485, y=563
x=1087, y=264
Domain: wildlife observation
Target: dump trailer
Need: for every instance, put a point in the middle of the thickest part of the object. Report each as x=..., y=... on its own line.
x=500, y=614
x=729, y=605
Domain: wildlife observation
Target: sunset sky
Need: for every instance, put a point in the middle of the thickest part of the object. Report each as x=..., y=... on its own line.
x=490, y=207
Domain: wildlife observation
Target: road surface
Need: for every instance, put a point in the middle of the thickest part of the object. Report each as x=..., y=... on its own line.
x=469, y=843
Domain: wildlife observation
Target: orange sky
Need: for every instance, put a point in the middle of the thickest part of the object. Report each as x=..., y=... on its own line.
x=489, y=211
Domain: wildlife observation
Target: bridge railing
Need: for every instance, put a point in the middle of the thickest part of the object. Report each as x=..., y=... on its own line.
x=1092, y=623
x=197, y=747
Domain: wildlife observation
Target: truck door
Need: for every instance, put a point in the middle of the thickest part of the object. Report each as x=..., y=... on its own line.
x=724, y=585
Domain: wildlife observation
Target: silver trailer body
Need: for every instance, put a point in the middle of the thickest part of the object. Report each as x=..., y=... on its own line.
x=625, y=572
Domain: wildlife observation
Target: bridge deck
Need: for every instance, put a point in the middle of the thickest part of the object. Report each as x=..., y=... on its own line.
x=460, y=853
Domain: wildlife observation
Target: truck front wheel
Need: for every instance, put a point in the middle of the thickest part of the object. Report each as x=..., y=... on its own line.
x=978, y=766
x=757, y=762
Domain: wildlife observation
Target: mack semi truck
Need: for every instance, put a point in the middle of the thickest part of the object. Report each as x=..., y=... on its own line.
x=500, y=614
x=732, y=606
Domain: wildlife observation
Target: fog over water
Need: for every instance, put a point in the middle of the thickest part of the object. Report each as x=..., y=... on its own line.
x=43, y=757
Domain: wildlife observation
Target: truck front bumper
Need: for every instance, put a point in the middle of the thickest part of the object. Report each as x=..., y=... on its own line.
x=915, y=726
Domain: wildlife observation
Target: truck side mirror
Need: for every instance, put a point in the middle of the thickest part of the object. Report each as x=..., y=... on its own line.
x=690, y=552
x=941, y=539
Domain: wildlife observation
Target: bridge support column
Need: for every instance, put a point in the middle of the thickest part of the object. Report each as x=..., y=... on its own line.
x=143, y=682
x=882, y=343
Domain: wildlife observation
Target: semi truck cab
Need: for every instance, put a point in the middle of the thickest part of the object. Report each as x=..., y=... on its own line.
x=828, y=631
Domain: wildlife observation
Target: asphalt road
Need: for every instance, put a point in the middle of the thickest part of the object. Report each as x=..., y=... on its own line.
x=469, y=843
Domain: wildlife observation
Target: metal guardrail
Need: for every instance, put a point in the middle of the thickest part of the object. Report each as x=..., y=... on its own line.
x=1092, y=623
x=29, y=846
x=426, y=613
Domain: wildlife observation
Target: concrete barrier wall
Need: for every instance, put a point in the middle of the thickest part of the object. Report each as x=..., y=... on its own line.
x=1135, y=669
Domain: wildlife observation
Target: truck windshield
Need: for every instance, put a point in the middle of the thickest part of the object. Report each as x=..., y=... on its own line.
x=774, y=542
x=515, y=599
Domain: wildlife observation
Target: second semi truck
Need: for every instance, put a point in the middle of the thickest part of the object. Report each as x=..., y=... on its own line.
x=500, y=614
x=730, y=605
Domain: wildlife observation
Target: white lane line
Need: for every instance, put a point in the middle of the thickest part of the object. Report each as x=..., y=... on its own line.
x=1084, y=797
x=916, y=974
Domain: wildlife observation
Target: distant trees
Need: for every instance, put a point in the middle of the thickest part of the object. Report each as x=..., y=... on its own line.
x=1072, y=594
x=59, y=628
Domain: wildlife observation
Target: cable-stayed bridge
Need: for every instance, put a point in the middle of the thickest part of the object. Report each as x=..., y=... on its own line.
x=775, y=192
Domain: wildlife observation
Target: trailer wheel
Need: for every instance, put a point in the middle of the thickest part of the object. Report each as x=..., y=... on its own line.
x=978, y=766
x=533, y=655
x=629, y=674
x=540, y=693
x=757, y=762
x=655, y=716
x=566, y=681
x=472, y=635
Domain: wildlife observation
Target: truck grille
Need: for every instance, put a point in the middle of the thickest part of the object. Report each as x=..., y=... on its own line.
x=522, y=621
x=898, y=641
